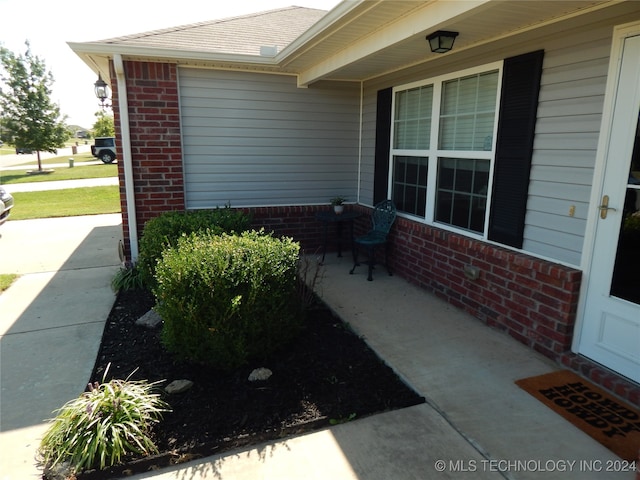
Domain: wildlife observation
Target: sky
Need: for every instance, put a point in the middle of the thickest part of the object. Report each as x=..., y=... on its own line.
x=48, y=26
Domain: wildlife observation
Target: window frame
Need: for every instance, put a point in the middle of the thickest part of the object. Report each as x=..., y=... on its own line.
x=434, y=154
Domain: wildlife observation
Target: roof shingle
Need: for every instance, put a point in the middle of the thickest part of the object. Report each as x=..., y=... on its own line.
x=242, y=35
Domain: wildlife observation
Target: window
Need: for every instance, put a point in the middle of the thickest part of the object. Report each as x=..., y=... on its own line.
x=443, y=148
x=412, y=120
x=467, y=115
x=410, y=184
x=461, y=197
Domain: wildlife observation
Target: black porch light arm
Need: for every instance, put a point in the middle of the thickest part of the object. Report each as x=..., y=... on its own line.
x=101, y=89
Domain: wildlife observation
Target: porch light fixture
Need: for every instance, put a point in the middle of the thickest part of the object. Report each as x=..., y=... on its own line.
x=101, y=90
x=441, y=41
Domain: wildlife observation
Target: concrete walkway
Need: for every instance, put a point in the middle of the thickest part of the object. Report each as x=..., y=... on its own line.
x=51, y=323
x=477, y=423
x=60, y=184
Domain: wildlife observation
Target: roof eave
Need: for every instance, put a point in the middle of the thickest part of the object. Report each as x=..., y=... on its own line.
x=333, y=17
x=96, y=56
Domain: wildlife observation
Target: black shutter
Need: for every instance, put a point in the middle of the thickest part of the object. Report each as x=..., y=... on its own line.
x=383, y=145
x=514, y=147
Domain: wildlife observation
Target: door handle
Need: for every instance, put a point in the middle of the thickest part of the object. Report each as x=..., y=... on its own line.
x=604, y=207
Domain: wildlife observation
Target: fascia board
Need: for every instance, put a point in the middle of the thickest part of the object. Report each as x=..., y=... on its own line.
x=85, y=50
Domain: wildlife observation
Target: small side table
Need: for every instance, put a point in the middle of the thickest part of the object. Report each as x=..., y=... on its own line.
x=329, y=216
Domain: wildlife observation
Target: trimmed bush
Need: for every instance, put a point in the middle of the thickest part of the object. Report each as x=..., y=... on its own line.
x=226, y=299
x=165, y=230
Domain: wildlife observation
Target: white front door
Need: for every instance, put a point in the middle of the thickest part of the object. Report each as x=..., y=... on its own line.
x=611, y=323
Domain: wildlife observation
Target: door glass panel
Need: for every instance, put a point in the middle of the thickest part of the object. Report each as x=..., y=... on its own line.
x=626, y=274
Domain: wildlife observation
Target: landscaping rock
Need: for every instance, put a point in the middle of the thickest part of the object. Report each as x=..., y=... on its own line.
x=149, y=320
x=260, y=374
x=178, y=386
x=61, y=471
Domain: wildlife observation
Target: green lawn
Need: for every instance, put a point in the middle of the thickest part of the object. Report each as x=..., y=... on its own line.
x=66, y=203
x=6, y=279
x=8, y=177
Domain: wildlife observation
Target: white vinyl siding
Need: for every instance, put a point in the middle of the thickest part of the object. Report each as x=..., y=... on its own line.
x=258, y=140
x=567, y=131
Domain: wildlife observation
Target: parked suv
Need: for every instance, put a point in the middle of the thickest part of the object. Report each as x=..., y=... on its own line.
x=104, y=148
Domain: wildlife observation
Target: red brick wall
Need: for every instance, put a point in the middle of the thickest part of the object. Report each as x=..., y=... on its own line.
x=533, y=300
x=156, y=149
x=298, y=222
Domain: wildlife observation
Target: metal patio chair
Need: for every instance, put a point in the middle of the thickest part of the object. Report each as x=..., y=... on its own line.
x=382, y=218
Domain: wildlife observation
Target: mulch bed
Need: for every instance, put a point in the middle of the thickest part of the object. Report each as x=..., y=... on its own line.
x=328, y=375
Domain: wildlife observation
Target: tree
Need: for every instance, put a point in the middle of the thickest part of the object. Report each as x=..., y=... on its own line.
x=31, y=120
x=104, y=127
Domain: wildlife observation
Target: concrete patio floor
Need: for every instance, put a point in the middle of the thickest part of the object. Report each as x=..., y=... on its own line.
x=476, y=422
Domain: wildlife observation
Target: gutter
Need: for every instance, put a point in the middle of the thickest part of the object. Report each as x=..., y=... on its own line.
x=84, y=50
x=125, y=142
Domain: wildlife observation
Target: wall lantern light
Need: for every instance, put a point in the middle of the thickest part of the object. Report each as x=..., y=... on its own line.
x=441, y=41
x=102, y=92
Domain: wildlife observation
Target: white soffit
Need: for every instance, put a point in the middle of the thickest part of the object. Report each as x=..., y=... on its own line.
x=391, y=34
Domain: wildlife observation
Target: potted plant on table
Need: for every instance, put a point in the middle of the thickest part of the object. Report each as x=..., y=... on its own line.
x=338, y=204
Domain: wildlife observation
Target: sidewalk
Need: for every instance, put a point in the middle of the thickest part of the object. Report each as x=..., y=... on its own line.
x=25, y=167
x=60, y=184
x=51, y=322
x=55, y=184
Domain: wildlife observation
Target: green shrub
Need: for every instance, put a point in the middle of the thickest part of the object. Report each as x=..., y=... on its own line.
x=229, y=298
x=165, y=230
x=101, y=426
x=127, y=278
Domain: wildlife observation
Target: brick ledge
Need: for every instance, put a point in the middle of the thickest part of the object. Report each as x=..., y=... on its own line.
x=609, y=380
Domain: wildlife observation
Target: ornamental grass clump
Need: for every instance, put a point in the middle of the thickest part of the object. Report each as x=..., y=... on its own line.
x=226, y=299
x=102, y=426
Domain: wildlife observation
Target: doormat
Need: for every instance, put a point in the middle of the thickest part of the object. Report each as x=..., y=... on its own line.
x=613, y=423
